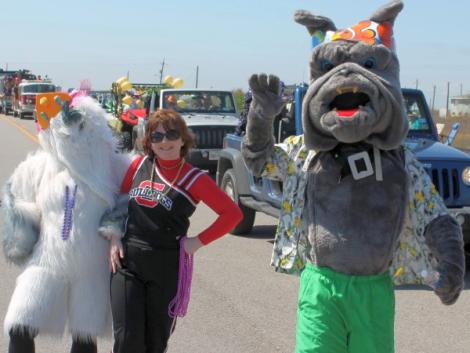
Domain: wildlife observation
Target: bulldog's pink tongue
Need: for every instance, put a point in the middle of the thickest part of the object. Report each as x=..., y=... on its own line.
x=346, y=113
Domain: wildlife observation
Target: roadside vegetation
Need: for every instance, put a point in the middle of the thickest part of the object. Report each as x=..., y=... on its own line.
x=462, y=140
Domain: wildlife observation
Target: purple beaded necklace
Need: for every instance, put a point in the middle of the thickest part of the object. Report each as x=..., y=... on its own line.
x=69, y=204
x=179, y=305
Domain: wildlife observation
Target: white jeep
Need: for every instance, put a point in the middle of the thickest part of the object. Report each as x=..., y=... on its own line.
x=210, y=114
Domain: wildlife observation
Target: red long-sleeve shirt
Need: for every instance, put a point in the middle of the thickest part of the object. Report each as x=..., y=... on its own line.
x=203, y=189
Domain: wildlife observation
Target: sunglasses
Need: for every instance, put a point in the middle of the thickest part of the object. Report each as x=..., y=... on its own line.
x=171, y=135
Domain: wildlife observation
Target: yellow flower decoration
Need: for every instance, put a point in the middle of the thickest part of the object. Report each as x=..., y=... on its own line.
x=402, y=245
x=413, y=251
x=303, y=154
x=434, y=190
x=291, y=140
x=284, y=261
x=297, y=222
x=290, y=168
x=399, y=271
x=289, y=233
x=430, y=205
x=299, y=263
x=270, y=168
x=287, y=206
x=419, y=196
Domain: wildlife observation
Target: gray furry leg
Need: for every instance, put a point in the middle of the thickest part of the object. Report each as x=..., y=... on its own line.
x=83, y=346
x=22, y=340
x=444, y=238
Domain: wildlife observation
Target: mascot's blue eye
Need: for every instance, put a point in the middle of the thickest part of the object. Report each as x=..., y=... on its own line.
x=326, y=65
x=369, y=63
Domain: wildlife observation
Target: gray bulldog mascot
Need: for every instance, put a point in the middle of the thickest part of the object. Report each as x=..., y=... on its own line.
x=359, y=212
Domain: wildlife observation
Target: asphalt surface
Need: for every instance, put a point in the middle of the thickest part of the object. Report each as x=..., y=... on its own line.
x=238, y=303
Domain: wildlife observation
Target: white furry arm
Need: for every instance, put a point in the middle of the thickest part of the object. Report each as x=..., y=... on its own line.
x=20, y=211
x=112, y=222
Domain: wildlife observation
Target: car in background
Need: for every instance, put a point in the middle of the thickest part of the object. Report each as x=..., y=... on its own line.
x=209, y=114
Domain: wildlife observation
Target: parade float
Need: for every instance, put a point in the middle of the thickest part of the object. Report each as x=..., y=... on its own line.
x=131, y=104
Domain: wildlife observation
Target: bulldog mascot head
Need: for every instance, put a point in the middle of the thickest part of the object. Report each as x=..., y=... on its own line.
x=354, y=93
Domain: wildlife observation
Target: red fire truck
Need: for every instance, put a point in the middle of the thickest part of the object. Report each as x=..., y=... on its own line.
x=27, y=87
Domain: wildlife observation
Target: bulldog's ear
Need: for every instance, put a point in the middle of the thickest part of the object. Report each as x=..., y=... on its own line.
x=388, y=13
x=313, y=22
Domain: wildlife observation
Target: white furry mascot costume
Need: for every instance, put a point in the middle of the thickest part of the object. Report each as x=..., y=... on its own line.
x=53, y=205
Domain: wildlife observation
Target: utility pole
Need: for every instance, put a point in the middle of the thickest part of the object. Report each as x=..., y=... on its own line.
x=461, y=89
x=447, y=100
x=197, y=75
x=417, y=81
x=433, y=97
x=6, y=67
x=127, y=74
x=161, y=70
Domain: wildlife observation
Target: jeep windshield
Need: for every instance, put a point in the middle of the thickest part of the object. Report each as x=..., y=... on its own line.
x=38, y=88
x=420, y=125
x=199, y=101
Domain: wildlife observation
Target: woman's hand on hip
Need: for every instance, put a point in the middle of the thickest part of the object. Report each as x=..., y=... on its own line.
x=116, y=253
x=191, y=245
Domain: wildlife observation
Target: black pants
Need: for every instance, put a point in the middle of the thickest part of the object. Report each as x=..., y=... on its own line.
x=140, y=294
x=22, y=341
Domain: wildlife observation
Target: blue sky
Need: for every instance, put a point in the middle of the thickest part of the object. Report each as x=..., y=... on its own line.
x=102, y=40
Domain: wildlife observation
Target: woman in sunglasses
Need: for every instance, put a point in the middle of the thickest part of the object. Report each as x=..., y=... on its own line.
x=164, y=191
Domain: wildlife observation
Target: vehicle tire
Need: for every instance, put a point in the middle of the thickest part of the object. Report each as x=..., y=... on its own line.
x=228, y=185
x=21, y=115
x=136, y=144
x=467, y=255
x=126, y=141
x=15, y=113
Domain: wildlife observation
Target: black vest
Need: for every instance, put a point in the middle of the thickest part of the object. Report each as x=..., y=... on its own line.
x=158, y=219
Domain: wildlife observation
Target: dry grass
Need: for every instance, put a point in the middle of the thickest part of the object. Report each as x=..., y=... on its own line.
x=462, y=140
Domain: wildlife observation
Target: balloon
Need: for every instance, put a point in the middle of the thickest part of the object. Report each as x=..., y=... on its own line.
x=121, y=80
x=177, y=83
x=181, y=104
x=126, y=85
x=127, y=100
x=168, y=80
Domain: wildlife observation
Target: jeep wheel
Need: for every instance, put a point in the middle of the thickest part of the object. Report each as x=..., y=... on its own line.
x=467, y=255
x=126, y=141
x=228, y=185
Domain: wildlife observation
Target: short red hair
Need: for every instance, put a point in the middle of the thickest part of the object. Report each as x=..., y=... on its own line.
x=169, y=119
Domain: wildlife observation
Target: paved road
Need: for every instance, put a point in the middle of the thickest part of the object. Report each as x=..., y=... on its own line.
x=238, y=303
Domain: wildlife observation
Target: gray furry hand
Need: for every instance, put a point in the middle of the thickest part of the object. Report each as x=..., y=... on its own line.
x=267, y=101
x=450, y=283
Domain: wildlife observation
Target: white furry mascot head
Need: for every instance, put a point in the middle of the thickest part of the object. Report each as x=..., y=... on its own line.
x=80, y=138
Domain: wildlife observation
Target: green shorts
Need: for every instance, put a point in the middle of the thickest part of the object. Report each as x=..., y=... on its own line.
x=338, y=313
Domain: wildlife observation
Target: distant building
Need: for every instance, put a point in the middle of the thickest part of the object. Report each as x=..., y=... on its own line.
x=460, y=105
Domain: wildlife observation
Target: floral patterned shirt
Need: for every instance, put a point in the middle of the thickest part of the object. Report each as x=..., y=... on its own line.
x=412, y=260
